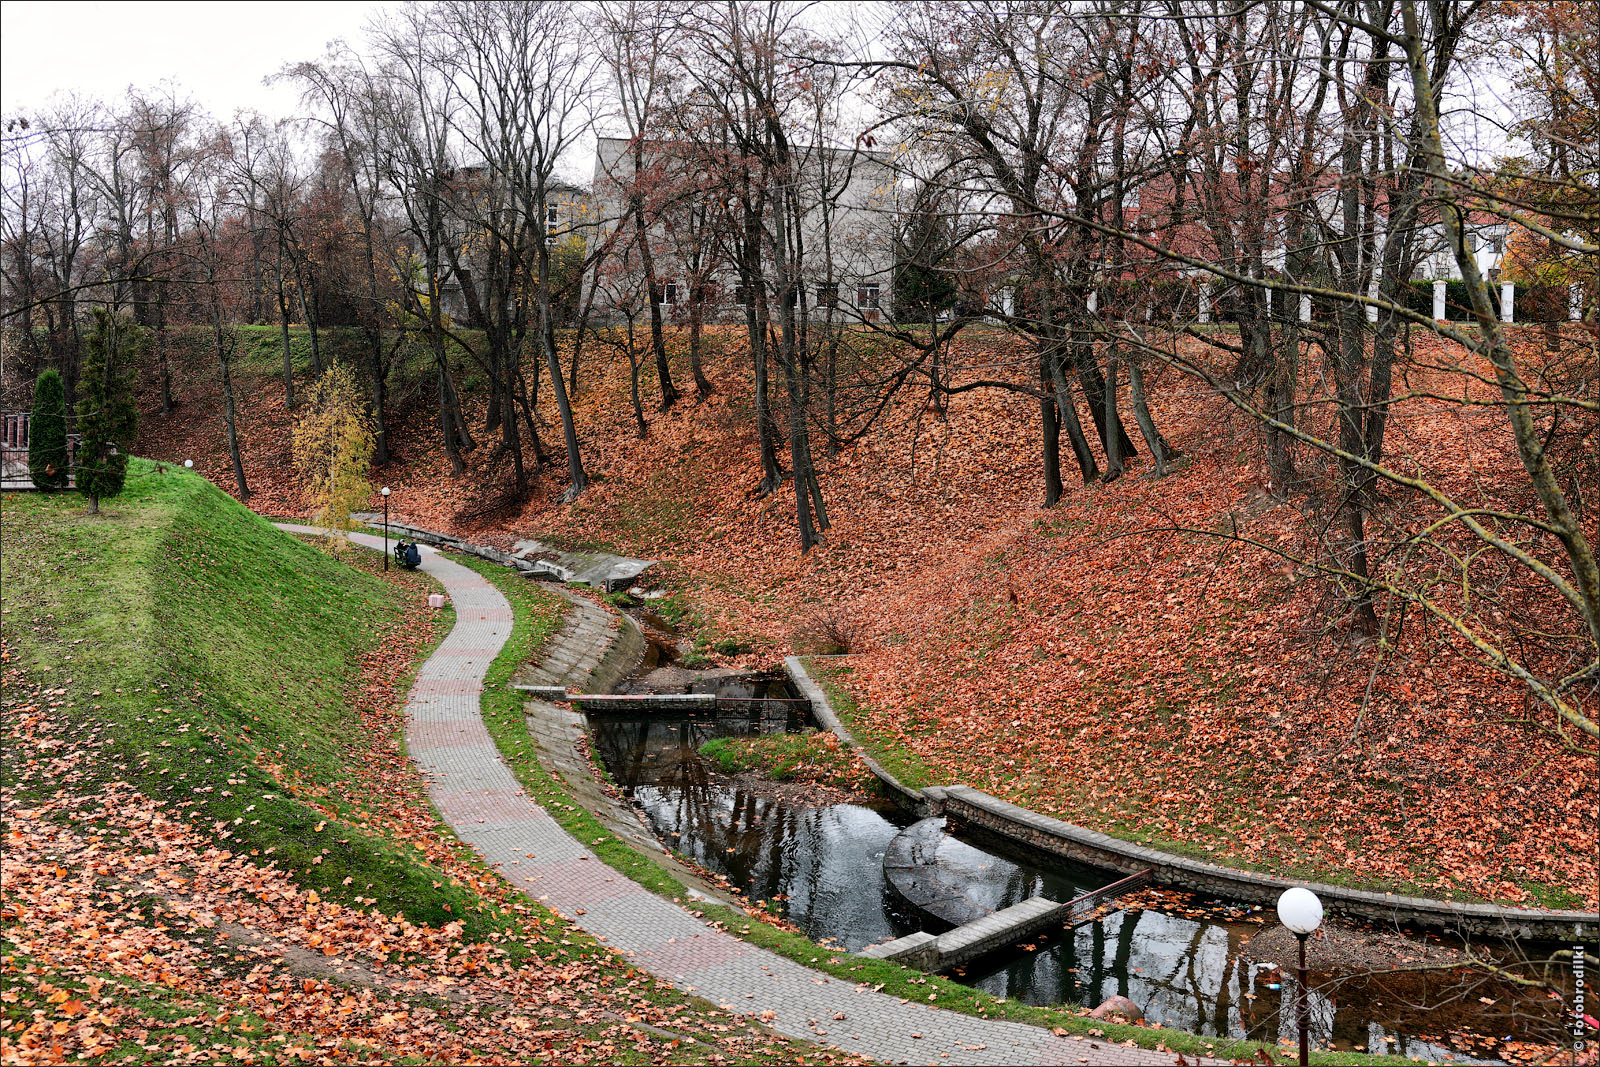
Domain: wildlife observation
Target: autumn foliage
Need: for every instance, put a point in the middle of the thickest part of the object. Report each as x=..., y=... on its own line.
x=1041, y=653
x=333, y=445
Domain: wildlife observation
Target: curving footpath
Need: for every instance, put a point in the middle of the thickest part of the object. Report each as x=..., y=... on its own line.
x=480, y=799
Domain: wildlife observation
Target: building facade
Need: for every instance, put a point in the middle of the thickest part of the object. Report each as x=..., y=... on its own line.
x=839, y=241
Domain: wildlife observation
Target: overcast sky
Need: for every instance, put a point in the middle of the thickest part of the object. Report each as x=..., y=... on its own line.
x=218, y=53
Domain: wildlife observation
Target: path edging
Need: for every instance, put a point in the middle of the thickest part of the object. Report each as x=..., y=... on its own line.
x=823, y=712
x=1059, y=838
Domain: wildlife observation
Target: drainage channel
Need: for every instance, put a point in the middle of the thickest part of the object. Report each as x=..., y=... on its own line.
x=818, y=860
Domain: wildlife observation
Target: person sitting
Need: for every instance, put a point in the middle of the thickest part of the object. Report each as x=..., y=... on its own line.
x=407, y=555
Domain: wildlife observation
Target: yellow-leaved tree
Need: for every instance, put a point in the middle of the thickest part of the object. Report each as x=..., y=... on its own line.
x=333, y=443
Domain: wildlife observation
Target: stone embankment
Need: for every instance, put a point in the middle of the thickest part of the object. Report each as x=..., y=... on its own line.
x=1058, y=838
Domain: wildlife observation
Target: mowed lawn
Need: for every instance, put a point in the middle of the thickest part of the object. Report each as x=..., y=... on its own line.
x=217, y=654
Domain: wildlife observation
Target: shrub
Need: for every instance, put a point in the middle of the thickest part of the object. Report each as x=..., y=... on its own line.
x=47, y=432
x=828, y=631
x=107, y=418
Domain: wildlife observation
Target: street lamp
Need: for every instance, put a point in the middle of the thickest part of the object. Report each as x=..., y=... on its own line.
x=1300, y=912
x=188, y=464
x=385, y=492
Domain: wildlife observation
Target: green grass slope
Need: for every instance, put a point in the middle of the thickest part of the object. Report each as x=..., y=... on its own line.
x=217, y=653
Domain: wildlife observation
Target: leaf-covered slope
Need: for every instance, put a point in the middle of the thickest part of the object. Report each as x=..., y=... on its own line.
x=219, y=654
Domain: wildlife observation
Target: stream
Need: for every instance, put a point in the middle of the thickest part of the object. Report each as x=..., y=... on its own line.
x=819, y=865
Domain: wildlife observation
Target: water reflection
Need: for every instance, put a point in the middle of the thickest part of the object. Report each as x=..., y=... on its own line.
x=823, y=864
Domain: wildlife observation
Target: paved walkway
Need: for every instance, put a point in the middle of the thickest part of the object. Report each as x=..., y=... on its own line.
x=479, y=798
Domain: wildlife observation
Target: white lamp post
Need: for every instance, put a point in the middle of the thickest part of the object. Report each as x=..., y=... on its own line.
x=385, y=492
x=1300, y=912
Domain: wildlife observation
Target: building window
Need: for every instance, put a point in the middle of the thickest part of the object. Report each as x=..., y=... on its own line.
x=867, y=297
x=551, y=215
x=827, y=295
x=739, y=296
x=669, y=293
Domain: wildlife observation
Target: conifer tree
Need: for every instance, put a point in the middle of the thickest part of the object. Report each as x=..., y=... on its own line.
x=107, y=417
x=47, y=432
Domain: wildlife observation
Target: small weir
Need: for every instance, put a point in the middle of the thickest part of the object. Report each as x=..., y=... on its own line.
x=861, y=875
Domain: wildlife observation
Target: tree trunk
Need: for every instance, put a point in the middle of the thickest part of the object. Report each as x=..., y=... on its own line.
x=288, y=356
x=702, y=386
x=1067, y=413
x=1352, y=440
x=1147, y=424
x=529, y=400
x=1105, y=415
x=311, y=332
x=1113, y=441
x=658, y=343
x=163, y=370
x=1049, y=434
x=1282, y=376
x=771, y=475
x=380, y=398
x=451, y=425
x=229, y=411
x=569, y=428
x=641, y=428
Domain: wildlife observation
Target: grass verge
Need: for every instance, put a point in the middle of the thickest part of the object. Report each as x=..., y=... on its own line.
x=216, y=655
x=810, y=757
x=899, y=761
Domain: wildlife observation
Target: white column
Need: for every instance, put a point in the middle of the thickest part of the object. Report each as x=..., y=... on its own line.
x=1372, y=293
x=1205, y=303
x=1438, y=299
x=1305, y=307
x=1267, y=294
x=1574, y=302
x=1094, y=301
x=1508, y=296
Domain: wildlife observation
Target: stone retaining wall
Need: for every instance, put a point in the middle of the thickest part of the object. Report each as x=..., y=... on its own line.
x=1063, y=839
x=1058, y=838
x=823, y=711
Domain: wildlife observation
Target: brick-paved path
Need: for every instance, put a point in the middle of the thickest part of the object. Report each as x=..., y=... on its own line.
x=482, y=802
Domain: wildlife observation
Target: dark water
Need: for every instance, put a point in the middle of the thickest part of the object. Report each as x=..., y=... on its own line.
x=1194, y=975
x=822, y=868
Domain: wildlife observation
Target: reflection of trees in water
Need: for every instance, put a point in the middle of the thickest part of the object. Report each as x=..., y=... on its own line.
x=1194, y=975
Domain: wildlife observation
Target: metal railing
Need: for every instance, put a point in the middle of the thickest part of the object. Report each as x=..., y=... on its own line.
x=1083, y=907
x=633, y=703
x=14, y=436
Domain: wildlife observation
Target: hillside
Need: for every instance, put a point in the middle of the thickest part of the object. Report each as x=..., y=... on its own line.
x=1040, y=654
x=216, y=847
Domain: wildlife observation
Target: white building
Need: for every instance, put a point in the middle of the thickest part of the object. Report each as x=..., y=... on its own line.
x=843, y=247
